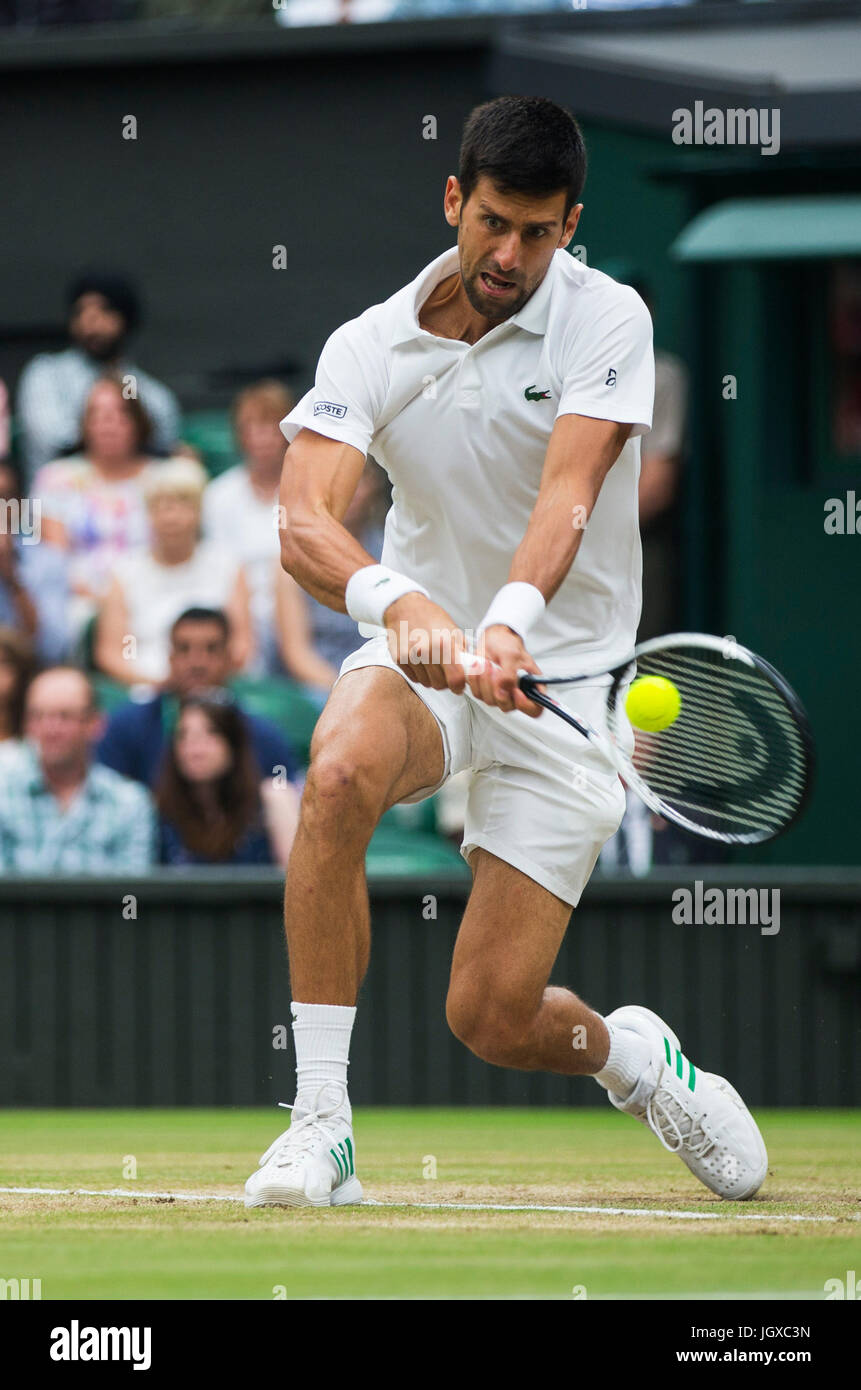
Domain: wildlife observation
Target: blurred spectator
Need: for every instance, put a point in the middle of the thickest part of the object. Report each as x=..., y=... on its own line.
x=177, y=570
x=645, y=841
x=844, y=356
x=53, y=389
x=436, y=9
x=239, y=507
x=302, y=12
x=661, y=455
x=661, y=462
x=450, y=804
x=213, y=806
x=5, y=423
x=314, y=639
x=59, y=811
x=92, y=504
x=34, y=586
x=630, y=849
x=134, y=740
x=184, y=450
x=17, y=668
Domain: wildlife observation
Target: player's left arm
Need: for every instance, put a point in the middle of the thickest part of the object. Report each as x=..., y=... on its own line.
x=607, y=368
x=580, y=454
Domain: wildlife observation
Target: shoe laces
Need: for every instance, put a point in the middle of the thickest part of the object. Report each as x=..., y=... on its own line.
x=674, y=1125
x=304, y=1134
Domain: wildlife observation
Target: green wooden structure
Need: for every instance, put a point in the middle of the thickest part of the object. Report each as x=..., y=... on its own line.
x=767, y=465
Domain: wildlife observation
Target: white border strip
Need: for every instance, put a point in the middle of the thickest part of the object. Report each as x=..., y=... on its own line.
x=441, y=1206
x=119, y=1192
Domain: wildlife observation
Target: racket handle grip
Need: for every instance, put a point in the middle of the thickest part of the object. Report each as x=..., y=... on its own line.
x=472, y=663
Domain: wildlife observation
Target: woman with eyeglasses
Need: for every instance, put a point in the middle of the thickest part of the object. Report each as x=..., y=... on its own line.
x=213, y=807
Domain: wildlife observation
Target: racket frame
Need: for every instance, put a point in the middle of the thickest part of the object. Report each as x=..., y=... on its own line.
x=621, y=674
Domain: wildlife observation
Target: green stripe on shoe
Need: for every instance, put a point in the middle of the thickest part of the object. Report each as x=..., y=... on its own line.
x=350, y=1152
x=340, y=1163
x=680, y=1061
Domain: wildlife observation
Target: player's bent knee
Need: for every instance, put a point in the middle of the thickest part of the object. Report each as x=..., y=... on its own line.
x=343, y=786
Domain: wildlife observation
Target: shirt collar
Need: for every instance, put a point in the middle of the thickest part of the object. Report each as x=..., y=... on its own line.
x=536, y=311
x=532, y=317
x=35, y=778
x=119, y=365
x=412, y=296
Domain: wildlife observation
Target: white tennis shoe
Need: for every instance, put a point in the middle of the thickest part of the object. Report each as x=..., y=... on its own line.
x=313, y=1163
x=694, y=1114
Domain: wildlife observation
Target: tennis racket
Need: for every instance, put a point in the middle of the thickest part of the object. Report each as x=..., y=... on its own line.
x=736, y=765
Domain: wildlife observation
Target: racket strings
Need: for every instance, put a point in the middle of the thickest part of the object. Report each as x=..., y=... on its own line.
x=735, y=761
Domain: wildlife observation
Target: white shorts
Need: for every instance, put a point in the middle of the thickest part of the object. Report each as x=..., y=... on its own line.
x=541, y=797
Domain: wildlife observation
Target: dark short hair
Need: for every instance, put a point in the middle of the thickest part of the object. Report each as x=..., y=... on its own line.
x=525, y=145
x=203, y=615
x=119, y=292
x=267, y=400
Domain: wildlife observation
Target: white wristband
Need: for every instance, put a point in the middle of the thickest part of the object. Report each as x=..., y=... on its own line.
x=517, y=606
x=371, y=589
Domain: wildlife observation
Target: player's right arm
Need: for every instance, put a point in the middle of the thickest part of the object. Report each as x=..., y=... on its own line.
x=318, y=480
x=320, y=475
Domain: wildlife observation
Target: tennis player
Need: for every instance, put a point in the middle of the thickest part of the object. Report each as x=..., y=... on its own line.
x=504, y=390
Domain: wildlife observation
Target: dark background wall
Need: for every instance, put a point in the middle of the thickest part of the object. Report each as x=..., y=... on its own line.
x=323, y=154
x=178, y=1005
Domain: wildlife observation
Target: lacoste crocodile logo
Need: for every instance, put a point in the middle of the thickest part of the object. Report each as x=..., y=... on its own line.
x=532, y=395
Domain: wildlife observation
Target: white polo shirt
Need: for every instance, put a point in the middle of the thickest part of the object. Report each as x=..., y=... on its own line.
x=462, y=431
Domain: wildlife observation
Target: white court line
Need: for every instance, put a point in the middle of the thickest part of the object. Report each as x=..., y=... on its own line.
x=119, y=1192
x=440, y=1206
x=610, y=1211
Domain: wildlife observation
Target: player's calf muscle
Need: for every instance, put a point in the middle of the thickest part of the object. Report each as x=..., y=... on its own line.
x=369, y=749
x=562, y=1035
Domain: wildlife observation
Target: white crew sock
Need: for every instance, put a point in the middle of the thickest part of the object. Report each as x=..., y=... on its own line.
x=321, y=1033
x=627, y=1060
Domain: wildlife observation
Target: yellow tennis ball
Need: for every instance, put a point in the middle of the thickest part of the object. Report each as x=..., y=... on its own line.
x=653, y=703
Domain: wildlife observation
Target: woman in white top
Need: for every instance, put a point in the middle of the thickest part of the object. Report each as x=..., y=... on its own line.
x=150, y=588
x=92, y=503
x=240, y=506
